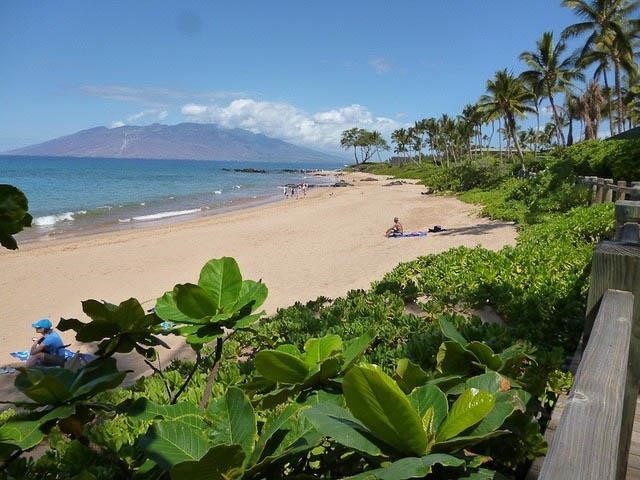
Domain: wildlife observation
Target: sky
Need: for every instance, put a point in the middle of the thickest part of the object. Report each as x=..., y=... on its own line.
x=296, y=70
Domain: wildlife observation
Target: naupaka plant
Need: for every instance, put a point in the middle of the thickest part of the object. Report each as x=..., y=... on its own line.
x=285, y=372
x=410, y=434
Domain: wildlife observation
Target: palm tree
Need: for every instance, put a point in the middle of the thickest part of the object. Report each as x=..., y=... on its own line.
x=572, y=106
x=349, y=140
x=610, y=24
x=592, y=102
x=402, y=140
x=550, y=73
x=416, y=141
x=508, y=97
x=598, y=55
x=472, y=118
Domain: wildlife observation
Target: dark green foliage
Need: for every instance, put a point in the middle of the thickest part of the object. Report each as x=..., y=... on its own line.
x=119, y=328
x=617, y=159
x=14, y=215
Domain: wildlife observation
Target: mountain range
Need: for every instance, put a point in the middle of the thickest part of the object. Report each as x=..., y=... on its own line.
x=185, y=141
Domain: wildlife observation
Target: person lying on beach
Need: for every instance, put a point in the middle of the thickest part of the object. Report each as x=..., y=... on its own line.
x=395, y=229
x=47, y=349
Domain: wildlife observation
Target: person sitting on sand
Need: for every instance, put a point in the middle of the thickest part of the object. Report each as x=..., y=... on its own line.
x=395, y=229
x=48, y=349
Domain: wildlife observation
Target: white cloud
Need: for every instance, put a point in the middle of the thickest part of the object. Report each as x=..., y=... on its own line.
x=281, y=120
x=146, y=116
x=193, y=110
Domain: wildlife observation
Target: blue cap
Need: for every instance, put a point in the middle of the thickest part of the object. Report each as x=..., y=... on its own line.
x=42, y=323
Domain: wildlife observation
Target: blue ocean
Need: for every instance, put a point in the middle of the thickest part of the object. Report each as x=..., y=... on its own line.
x=73, y=196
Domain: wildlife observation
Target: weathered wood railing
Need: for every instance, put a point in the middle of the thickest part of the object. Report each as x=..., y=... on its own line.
x=593, y=438
x=605, y=190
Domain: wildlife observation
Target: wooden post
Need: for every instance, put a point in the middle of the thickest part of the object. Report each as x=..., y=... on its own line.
x=592, y=440
x=599, y=190
x=621, y=194
x=616, y=264
x=635, y=192
x=608, y=190
x=627, y=212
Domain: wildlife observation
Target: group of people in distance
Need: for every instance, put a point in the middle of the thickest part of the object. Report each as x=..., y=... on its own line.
x=297, y=190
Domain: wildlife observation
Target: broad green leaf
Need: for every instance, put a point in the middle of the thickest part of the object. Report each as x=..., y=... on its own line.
x=377, y=401
x=281, y=367
x=86, y=386
x=429, y=396
x=221, y=278
x=454, y=359
x=447, y=382
x=194, y=301
x=183, y=412
x=252, y=294
x=272, y=425
x=489, y=382
x=469, y=409
x=465, y=441
x=449, y=331
x=129, y=315
x=338, y=423
x=297, y=435
x=233, y=420
x=290, y=349
x=408, y=375
x=278, y=396
x=47, y=386
x=318, y=349
x=170, y=442
x=167, y=309
x=506, y=404
x=98, y=310
x=25, y=434
x=247, y=321
x=329, y=368
x=13, y=215
x=355, y=348
x=485, y=355
x=410, y=467
x=221, y=462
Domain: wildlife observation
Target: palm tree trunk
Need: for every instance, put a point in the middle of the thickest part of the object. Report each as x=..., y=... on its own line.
x=620, y=119
x=606, y=85
x=556, y=119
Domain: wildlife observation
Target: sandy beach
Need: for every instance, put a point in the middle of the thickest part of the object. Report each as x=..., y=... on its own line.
x=326, y=243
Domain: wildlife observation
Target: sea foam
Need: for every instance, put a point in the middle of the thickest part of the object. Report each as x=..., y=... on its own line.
x=50, y=220
x=157, y=216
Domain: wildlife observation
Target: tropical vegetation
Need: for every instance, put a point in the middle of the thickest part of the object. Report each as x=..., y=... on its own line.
x=402, y=380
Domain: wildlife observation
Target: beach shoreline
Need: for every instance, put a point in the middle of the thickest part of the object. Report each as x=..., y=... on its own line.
x=324, y=244
x=72, y=225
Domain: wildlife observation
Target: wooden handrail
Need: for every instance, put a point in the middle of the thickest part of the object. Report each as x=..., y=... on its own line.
x=594, y=434
x=592, y=440
x=604, y=190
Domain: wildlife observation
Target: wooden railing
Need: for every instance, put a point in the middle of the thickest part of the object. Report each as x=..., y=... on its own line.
x=605, y=190
x=594, y=434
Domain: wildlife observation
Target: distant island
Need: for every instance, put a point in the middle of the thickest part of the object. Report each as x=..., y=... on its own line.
x=185, y=141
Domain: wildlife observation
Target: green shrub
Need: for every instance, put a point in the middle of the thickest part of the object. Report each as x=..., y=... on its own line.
x=617, y=159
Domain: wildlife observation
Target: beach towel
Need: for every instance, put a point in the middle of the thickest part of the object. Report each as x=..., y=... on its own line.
x=412, y=234
x=23, y=355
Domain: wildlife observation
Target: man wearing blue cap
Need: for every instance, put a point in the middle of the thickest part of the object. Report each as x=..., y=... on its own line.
x=48, y=349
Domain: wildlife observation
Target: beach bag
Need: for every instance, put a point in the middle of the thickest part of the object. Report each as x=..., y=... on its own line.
x=436, y=229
